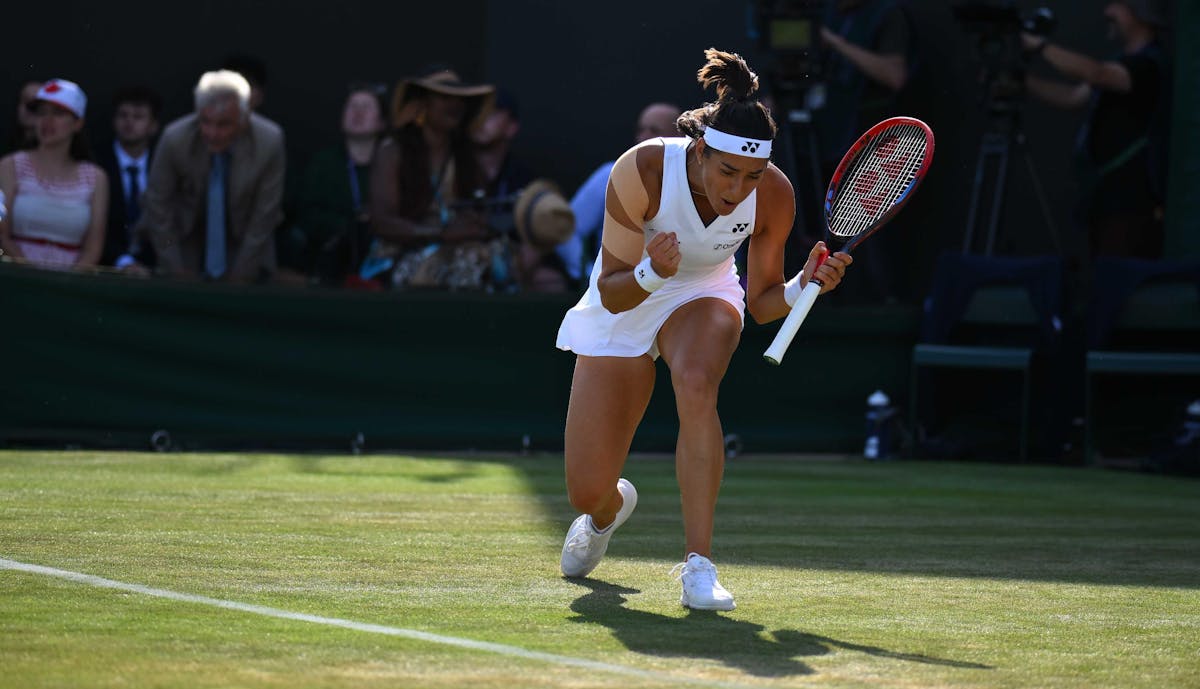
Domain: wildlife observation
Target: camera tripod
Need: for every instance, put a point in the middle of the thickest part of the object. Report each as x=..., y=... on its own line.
x=802, y=136
x=1004, y=134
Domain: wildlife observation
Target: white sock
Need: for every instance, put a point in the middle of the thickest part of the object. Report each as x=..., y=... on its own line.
x=600, y=532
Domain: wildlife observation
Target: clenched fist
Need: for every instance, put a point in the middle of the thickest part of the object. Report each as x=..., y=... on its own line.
x=664, y=254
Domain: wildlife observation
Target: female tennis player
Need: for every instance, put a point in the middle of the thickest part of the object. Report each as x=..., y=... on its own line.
x=676, y=210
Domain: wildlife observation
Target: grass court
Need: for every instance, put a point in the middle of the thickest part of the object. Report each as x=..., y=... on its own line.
x=263, y=570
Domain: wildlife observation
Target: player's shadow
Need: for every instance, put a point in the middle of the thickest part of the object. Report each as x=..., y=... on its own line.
x=746, y=646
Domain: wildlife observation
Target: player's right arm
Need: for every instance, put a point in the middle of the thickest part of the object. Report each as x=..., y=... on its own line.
x=633, y=196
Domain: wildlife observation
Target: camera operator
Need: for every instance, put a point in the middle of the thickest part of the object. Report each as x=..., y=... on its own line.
x=1121, y=148
x=866, y=66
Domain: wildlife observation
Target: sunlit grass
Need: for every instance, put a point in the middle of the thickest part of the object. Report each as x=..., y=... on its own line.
x=846, y=574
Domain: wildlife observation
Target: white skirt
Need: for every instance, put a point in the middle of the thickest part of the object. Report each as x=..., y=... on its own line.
x=592, y=330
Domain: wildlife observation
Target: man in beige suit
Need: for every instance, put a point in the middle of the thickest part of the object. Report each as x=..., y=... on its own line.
x=214, y=196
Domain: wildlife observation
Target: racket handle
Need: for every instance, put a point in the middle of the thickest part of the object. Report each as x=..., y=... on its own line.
x=791, y=324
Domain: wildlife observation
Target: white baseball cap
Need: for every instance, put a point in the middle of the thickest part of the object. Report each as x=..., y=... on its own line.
x=65, y=94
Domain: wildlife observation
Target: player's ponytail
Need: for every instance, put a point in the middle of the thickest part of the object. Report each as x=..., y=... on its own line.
x=728, y=74
x=735, y=111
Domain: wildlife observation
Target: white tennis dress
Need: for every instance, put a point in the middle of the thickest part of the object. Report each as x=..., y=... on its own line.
x=706, y=269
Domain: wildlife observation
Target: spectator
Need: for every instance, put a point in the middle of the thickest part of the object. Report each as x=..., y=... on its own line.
x=656, y=119
x=58, y=199
x=215, y=194
x=1121, y=149
x=23, y=135
x=506, y=173
x=135, y=124
x=544, y=220
x=329, y=239
x=426, y=167
x=867, y=66
x=538, y=226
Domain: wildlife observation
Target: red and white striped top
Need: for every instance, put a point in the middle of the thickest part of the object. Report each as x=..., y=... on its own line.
x=52, y=211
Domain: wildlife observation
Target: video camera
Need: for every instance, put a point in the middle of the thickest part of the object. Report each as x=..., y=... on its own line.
x=997, y=26
x=790, y=31
x=1002, y=17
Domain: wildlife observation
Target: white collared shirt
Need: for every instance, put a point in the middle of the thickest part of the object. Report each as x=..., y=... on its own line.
x=142, y=162
x=124, y=161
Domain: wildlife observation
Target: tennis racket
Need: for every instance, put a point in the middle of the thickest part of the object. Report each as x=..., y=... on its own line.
x=876, y=177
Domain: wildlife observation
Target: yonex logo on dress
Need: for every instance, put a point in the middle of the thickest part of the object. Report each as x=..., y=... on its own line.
x=741, y=227
x=751, y=146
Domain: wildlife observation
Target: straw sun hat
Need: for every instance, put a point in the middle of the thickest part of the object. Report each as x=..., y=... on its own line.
x=407, y=102
x=542, y=215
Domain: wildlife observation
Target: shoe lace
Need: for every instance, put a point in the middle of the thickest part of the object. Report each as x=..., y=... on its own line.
x=699, y=567
x=581, y=541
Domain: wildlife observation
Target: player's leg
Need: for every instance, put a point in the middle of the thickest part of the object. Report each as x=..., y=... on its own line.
x=608, y=398
x=697, y=343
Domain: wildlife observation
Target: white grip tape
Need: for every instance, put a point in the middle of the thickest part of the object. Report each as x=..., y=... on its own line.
x=791, y=324
x=646, y=277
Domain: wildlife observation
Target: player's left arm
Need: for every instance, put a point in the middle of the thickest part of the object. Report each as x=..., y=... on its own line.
x=765, y=283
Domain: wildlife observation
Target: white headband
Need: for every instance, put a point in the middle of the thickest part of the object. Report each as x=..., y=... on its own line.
x=737, y=145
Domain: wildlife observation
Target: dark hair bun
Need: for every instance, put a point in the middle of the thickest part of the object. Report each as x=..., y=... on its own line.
x=729, y=74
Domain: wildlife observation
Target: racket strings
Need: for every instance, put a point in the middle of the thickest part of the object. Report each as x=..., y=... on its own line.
x=862, y=198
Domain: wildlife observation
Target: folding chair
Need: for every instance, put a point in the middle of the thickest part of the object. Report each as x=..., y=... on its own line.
x=1155, y=304
x=1016, y=300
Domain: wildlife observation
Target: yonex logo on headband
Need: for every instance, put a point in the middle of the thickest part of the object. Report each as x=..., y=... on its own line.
x=738, y=145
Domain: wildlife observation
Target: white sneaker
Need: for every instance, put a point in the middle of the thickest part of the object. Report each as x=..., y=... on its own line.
x=585, y=546
x=701, y=590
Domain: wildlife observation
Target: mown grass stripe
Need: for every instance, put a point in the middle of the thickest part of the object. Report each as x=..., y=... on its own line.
x=486, y=646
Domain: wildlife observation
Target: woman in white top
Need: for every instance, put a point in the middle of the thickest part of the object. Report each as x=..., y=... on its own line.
x=675, y=212
x=58, y=201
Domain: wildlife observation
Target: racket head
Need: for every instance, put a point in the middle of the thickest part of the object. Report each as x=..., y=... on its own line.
x=875, y=179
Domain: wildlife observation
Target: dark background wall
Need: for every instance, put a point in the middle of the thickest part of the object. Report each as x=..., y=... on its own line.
x=312, y=50
x=106, y=360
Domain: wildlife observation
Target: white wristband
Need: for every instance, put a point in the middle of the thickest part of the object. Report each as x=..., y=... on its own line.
x=792, y=289
x=646, y=277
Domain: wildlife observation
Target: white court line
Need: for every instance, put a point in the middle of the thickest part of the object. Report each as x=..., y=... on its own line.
x=501, y=649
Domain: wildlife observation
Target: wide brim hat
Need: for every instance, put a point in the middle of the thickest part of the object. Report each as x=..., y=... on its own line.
x=542, y=215
x=65, y=94
x=406, y=104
